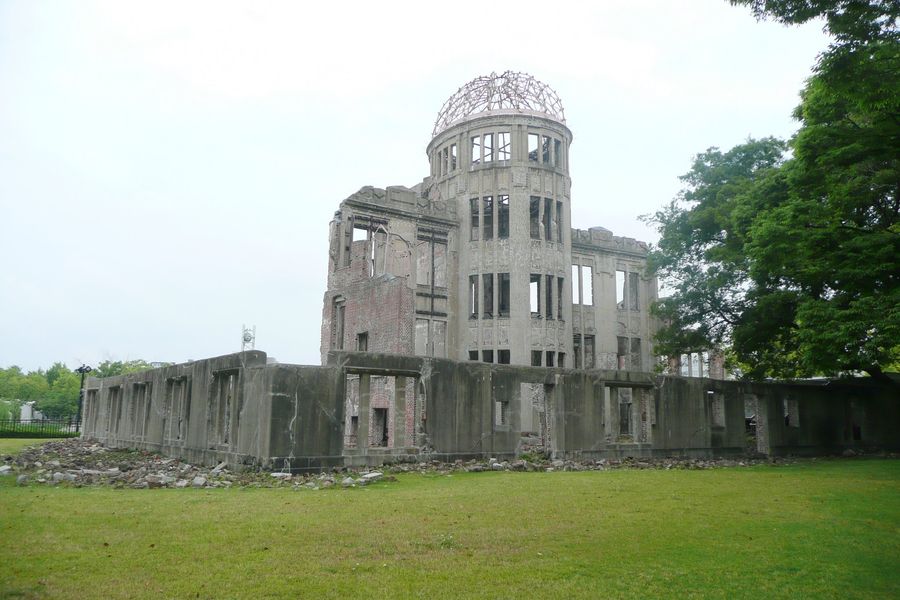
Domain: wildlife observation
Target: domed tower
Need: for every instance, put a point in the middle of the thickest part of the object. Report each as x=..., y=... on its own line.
x=500, y=155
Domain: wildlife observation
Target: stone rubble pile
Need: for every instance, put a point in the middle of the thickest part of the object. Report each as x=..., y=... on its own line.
x=77, y=463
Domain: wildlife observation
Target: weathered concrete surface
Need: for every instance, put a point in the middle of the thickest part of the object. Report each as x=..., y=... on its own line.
x=240, y=410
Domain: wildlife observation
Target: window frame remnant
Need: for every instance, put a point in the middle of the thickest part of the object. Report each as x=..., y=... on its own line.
x=487, y=356
x=534, y=292
x=453, y=157
x=487, y=217
x=473, y=296
x=503, y=305
x=546, y=219
x=576, y=284
x=587, y=285
x=551, y=358
x=487, y=147
x=559, y=221
x=621, y=282
x=546, y=144
x=534, y=143
x=487, y=296
x=549, y=293
x=475, y=229
x=475, y=148
x=503, y=216
x=560, y=283
x=504, y=146
x=534, y=213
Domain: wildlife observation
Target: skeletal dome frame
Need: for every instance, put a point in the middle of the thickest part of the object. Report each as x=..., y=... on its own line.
x=510, y=90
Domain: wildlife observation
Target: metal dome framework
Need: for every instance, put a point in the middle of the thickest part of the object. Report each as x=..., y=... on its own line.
x=508, y=91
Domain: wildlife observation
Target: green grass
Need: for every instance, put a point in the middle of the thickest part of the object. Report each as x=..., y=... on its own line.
x=823, y=529
x=13, y=445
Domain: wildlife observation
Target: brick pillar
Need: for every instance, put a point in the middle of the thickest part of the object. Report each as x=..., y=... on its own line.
x=399, y=412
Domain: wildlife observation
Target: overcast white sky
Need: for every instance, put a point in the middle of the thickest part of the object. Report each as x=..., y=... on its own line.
x=168, y=169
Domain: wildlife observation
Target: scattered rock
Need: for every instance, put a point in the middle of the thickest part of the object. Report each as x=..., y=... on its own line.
x=347, y=482
x=281, y=475
x=372, y=476
x=22, y=479
x=198, y=482
x=5, y=470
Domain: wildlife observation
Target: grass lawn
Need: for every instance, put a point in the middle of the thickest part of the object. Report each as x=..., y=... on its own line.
x=817, y=529
x=13, y=445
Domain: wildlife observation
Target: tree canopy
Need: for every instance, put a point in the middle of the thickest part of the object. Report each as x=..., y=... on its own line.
x=789, y=253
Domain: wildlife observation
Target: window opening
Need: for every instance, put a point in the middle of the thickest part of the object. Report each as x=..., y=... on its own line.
x=501, y=410
x=559, y=297
x=473, y=354
x=487, y=305
x=487, y=217
x=620, y=290
x=487, y=356
x=559, y=221
x=503, y=357
x=473, y=211
x=621, y=352
x=534, y=211
x=476, y=150
x=452, y=157
x=536, y=358
x=587, y=285
x=421, y=341
x=576, y=348
x=548, y=211
x=503, y=146
x=533, y=143
x=545, y=150
x=551, y=356
x=535, y=295
x=576, y=279
x=338, y=324
x=561, y=359
x=380, y=427
x=445, y=161
x=503, y=284
x=503, y=216
x=473, y=296
x=636, y=360
x=557, y=155
x=549, y=305
x=792, y=412
x=488, y=147
x=589, y=360
x=633, y=287
x=362, y=341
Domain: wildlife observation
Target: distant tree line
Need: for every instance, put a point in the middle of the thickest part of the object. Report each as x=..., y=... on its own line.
x=54, y=390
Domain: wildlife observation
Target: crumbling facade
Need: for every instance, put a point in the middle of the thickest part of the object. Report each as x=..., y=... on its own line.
x=479, y=262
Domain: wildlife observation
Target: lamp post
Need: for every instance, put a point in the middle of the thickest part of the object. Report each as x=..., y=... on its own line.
x=83, y=370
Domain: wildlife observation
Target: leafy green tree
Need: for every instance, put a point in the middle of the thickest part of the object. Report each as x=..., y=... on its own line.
x=112, y=368
x=795, y=263
x=62, y=399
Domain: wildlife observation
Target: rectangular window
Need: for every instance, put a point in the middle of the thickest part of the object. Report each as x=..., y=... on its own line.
x=549, y=305
x=445, y=161
x=503, y=216
x=504, y=146
x=545, y=150
x=559, y=298
x=487, y=356
x=421, y=340
x=792, y=412
x=452, y=157
x=440, y=264
x=551, y=356
x=501, y=413
x=589, y=352
x=536, y=358
x=473, y=354
x=533, y=142
x=559, y=221
x=534, y=290
x=487, y=217
x=561, y=359
x=557, y=155
x=362, y=341
x=587, y=285
x=576, y=291
x=636, y=355
x=503, y=284
x=473, y=210
x=503, y=357
x=576, y=348
x=439, y=339
x=476, y=150
x=473, y=296
x=487, y=305
x=488, y=146
x=634, y=282
x=548, y=212
x=337, y=324
x=534, y=212
x=621, y=352
x=620, y=290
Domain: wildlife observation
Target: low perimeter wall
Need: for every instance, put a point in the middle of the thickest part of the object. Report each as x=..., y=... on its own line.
x=368, y=409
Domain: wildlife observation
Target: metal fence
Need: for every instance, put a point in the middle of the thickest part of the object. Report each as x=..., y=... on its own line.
x=39, y=428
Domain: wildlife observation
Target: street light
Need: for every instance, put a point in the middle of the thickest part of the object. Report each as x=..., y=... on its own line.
x=84, y=370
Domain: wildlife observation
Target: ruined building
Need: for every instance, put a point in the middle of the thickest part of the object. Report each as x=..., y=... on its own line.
x=480, y=261
x=465, y=318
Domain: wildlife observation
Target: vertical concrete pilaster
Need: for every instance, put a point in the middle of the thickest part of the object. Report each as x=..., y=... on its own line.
x=399, y=412
x=362, y=435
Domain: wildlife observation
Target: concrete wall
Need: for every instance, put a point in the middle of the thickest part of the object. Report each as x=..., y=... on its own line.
x=241, y=410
